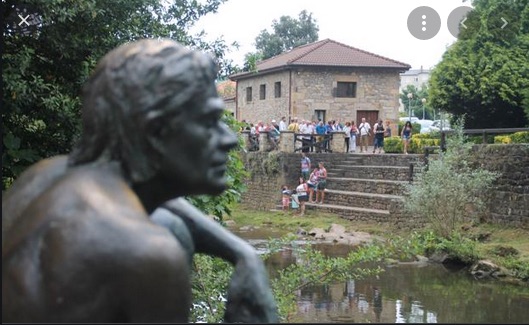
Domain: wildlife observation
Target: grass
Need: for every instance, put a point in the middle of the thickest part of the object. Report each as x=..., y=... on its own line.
x=290, y=222
x=506, y=237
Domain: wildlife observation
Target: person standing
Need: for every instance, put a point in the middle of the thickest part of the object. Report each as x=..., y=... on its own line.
x=365, y=131
x=294, y=127
x=283, y=124
x=406, y=136
x=313, y=184
x=302, y=192
x=322, y=183
x=354, y=134
x=379, y=137
x=306, y=136
x=347, y=130
x=305, y=166
x=387, y=129
x=320, y=136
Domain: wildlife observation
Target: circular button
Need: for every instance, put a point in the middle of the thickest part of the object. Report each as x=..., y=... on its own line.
x=424, y=23
x=456, y=20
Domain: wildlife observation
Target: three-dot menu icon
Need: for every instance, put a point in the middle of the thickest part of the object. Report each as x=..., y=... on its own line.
x=424, y=23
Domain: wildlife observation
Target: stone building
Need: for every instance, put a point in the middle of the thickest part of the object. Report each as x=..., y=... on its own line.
x=324, y=80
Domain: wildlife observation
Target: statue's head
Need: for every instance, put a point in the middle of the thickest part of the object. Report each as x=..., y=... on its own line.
x=152, y=106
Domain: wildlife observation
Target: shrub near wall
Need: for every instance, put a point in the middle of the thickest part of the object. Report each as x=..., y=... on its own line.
x=518, y=137
x=417, y=143
x=393, y=145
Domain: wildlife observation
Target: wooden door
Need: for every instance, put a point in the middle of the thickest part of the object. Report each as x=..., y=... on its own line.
x=371, y=117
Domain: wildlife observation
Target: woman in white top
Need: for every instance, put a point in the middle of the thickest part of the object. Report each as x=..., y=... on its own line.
x=302, y=190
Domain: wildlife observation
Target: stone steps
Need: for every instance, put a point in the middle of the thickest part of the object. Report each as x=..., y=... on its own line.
x=368, y=187
x=375, y=186
x=382, y=159
x=398, y=173
x=360, y=199
x=352, y=213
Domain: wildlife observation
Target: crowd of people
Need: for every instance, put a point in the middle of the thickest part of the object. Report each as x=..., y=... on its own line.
x=312, y=182
x=314, y=135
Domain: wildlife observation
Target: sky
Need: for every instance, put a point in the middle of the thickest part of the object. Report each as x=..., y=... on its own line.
x=376, y=26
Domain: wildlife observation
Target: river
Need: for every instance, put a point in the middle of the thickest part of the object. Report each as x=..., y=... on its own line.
x=403, y=293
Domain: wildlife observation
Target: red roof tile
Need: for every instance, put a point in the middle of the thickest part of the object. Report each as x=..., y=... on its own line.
x=327, y=53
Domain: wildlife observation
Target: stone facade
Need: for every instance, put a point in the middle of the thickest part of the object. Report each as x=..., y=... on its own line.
x=267, y=109
x=306, y=90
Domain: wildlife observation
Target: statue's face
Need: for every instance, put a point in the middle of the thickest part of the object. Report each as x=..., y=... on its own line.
x=195, y=149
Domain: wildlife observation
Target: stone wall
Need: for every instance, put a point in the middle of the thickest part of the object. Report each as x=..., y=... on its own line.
x=509, y=204
x=269, y=171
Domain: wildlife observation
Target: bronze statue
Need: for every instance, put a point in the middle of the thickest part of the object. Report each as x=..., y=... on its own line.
x=103, y=234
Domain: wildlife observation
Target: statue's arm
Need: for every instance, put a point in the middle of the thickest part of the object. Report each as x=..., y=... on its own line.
x=250, y=298
x=209, y=237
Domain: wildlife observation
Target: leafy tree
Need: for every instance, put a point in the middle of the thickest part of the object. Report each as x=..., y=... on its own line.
x=485, y=73
x=287, y=34
x=45, y=64
x=416, y=102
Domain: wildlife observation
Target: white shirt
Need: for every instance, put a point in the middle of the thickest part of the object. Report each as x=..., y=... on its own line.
x=282, y=126
x=347, y=130
x=364, y=128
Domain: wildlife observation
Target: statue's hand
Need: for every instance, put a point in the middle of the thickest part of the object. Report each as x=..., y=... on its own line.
x=250, y=298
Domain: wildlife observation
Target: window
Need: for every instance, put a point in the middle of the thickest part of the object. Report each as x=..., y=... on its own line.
x=277, y=89
x=248, y=94
x=320, y=115
x=262, y=91
x=346, y=89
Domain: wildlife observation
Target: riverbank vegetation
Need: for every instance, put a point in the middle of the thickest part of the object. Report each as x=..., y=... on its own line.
x=504, y=246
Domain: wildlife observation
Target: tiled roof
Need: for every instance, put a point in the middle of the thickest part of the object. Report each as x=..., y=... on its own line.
x=226, y=88
x=327, y=53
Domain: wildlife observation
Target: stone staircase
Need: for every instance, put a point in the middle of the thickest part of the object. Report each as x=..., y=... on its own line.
x=367, y=187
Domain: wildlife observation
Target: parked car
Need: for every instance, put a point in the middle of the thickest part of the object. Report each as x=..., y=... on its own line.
x=436, y=126
x=425, y=125
x=413, y=119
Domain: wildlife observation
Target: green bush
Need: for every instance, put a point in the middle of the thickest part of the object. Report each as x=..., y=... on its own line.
x=419, y=141
x=520, y=137
x=450, y=193
x=393, y=145
x=504, y=139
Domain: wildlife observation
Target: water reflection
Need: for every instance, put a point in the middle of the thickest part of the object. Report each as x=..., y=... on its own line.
x=404, y=293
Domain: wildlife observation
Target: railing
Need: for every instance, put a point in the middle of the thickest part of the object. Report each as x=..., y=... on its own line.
x=335, y=141
x=310, y=142
x=484, y=132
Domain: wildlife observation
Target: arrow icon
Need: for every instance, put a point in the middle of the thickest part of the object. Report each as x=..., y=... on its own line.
x=505, y=23
x=463, y=23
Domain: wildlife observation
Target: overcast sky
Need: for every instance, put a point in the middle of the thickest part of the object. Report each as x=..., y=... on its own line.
x=377, y=26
